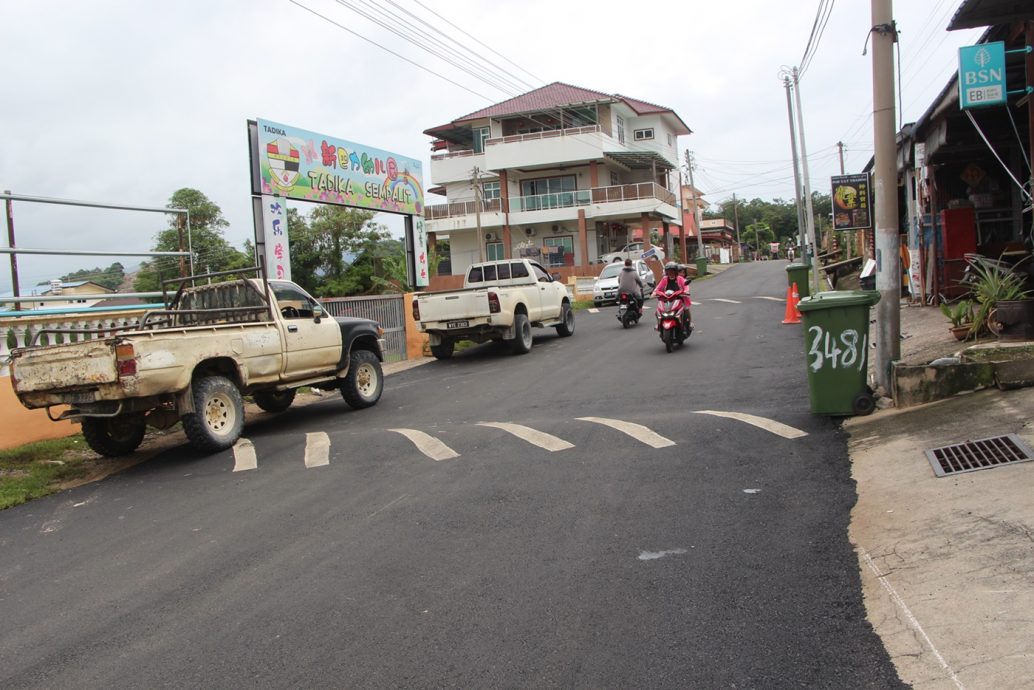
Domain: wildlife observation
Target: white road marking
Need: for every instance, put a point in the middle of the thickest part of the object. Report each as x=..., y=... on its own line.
x=385, y=507
x=536, y=438
x=593, y=310
x=654, y=555
x=730, y=301
x=317, y=449
x=636, y=431
x=428, y=445
x=774, y=299
x=911, y=619
x=767, y=424
x=244, y=456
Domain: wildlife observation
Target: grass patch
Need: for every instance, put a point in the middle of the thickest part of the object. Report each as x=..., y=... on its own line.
x=36, y=469
x=580, y=304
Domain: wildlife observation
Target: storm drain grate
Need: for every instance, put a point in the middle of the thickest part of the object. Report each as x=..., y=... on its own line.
x=978, y=455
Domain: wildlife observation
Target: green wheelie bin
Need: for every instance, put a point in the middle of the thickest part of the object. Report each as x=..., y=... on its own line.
x=836, y=346
x=798, y=273
x=701, y=262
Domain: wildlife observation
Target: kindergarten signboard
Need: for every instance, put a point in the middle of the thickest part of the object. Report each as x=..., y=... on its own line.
x=303, y=165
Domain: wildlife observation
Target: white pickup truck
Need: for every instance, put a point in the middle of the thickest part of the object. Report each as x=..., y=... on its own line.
x=500, y=300
x=193, y=361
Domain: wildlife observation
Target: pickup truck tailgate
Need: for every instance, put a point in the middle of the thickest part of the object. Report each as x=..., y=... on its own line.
x=451, y=306
x=67, y=366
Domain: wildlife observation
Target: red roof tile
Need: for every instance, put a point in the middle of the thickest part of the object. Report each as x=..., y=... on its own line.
x=555, y=95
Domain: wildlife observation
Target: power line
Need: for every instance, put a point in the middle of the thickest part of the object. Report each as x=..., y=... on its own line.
x=387, y=50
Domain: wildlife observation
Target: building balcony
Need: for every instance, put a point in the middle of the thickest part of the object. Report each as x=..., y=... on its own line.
x=618, y=201
x=547, y=149
x=455, y=166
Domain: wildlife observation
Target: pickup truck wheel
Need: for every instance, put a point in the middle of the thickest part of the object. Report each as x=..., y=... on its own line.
x=521, y=344
x=218, y=417
x=364, y=383
x=114, y=436
x=566, y=327
x=443, y=350
x=274, y=401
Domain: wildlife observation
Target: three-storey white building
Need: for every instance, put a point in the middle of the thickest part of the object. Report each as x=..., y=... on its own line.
x=562, y=174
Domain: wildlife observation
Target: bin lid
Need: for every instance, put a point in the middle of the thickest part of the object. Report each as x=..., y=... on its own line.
x=838, y=299
x=797, y=267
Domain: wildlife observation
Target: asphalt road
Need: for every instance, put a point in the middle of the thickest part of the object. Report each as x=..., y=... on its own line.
x=719, y=560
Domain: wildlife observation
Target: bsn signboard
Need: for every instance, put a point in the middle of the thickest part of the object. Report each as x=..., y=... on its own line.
x=982, y=75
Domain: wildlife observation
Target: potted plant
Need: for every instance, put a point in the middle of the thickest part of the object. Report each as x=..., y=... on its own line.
x=993, y=283
x=960, y=315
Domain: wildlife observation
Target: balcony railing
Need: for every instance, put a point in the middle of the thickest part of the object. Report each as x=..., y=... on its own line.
x=597, y=195
x=548, y=134
x=460, y=208
x=539, y=202
x=453, y=154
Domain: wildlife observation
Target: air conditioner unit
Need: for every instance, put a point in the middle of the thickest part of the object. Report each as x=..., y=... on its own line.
x=530, y=232
x=490, y=237
x=558, y=228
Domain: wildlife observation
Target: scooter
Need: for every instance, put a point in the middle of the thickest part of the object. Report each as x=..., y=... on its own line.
x=673, y=319
x=629, y=312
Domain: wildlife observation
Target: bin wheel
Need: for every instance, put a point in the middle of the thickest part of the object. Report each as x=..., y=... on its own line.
x=863, y=404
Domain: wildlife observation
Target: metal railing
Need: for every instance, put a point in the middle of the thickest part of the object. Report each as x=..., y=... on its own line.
x=548, y=134
x=539, y=202
x=386, y=310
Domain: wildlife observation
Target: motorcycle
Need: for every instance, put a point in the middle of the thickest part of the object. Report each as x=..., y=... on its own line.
x=673, y=322
x=629, y=312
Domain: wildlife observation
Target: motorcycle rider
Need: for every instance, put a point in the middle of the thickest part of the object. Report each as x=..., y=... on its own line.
x=673, y=281
x=630, y=283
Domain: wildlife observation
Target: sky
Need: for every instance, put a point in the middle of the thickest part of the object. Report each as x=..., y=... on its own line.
x=124, y=102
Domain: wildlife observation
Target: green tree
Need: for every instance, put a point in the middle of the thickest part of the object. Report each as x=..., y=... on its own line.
x=211, y=251
x=757, y=236
x=110, y=277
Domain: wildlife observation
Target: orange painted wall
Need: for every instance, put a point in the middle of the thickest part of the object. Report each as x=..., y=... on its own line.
x=415, y=340
x=19, y=426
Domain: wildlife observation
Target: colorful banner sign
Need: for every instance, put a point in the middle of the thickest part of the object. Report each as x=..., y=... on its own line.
x=852, y=202
x=299, y=164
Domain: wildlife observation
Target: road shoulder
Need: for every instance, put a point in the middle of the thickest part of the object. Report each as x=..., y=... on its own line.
x=947, y=564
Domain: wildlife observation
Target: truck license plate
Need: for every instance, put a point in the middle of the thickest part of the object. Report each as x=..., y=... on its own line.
x=457, y=324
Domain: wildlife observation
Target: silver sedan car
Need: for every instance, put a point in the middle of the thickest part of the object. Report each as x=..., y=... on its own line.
x=605, y=287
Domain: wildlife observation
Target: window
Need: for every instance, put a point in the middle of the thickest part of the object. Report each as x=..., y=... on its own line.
x=669, y=139
x=475, y=275
x=549, y=192
x=489, y=190
x=494, y=252
x=293, y=303
x=559, y=250
x=518, y=270
x=489, y=273
x=643, y=134
x=540, y=274
x=621, y=129
x=504, y=271
x=481, y=135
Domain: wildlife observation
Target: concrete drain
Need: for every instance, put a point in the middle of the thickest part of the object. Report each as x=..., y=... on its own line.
x=978, y=455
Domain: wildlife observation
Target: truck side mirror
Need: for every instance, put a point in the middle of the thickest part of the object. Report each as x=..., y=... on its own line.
x=317, y=311
x=555, y=276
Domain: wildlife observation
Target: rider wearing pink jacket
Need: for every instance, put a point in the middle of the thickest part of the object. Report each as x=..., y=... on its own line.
x=673, y=281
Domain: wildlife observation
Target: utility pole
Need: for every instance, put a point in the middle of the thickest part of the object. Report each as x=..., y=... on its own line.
x=14, y=257
x=796, y=171
x=696, y=206
x=840, y=146
x=888, y=259
x=809, y=217
x=476, y=184
x=736, y=223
